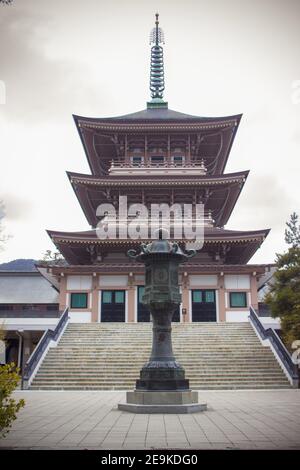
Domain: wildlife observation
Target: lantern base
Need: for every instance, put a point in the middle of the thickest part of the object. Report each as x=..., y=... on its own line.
x=162, y=375
x=174, y=402
x=162, y=384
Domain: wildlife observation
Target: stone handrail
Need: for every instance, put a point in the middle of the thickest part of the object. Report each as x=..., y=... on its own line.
x=282, y=353
x=43, y=345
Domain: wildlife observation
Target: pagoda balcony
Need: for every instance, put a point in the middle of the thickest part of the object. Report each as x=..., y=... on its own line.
x=205, y=221
x=165, y=168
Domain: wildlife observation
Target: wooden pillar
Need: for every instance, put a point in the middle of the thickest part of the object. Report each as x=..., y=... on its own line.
x=95, y=298
x=185, y=304
x=185, y=292
x=131, y=304
x=27, y=346
x=169, y=150
x=221, y=296
x=253, y=294
x=126, y=149
x=189, y=150
x=146, y=149
x=62, y=293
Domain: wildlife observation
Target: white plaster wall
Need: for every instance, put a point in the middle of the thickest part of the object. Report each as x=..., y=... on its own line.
x=270, y=322
x=29, y=323
x=237, y=281
x=113, y=281
x=80, y=317
x=237, y=316
x=79, y=282
x=198, y=280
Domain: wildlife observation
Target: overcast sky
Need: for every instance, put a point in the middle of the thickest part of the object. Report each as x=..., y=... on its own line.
x=91, y=58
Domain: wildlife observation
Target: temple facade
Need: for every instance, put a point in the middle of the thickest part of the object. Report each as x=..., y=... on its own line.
x=157, y=156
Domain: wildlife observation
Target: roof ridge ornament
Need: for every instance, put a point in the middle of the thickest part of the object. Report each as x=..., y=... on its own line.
x=157, y=79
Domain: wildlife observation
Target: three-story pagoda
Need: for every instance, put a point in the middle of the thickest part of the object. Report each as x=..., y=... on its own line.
x=158, y=155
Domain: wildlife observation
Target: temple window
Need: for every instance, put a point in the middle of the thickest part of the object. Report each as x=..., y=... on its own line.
x=178, y=159
x=109, y=297
x=238, y=299
x=119, y=297
x=137, y=160
x=157, y=159
x=79, y=300
x=203, y=296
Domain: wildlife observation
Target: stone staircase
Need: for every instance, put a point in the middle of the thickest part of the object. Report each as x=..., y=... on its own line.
x=108, y=356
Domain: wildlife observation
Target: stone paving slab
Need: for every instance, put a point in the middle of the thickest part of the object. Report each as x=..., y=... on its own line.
x=248, y=419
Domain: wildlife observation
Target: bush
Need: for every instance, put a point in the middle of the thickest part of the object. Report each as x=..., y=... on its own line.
x=9, y=379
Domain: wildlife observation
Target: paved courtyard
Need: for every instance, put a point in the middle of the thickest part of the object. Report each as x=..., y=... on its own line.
x=91, y=420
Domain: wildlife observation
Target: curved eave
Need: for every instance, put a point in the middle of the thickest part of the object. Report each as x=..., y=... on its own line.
x=148, y=180
x=153, y=117
x=242, y=245
x=232, y=184
x=211, y=236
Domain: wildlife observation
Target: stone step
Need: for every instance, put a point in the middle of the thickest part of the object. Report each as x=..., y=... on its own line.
x=129, y=341
x=131, y=345
x=180, y=347
x=215, y=387
x=120, y=352
x=131, y=383
x=132, y=377
x=124, y=358
x=190, y=366
x=148, y=326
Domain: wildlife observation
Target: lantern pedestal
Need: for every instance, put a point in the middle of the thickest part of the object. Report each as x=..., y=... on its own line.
x=162, y=402
x=162, y=386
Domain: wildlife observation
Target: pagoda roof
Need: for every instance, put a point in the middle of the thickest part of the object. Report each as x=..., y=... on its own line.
x=146, y=180
x=241, y=245
x=159, y=114
x=224, y=191
x=99, y=136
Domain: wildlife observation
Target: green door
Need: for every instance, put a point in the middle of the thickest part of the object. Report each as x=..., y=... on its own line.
x=113, y=306
x=204, y=305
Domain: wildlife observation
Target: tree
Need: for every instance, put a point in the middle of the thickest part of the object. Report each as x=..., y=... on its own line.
x=3, y=236
x=292, y=233
x=52, y=256
x=284, y=295
x=9, y=379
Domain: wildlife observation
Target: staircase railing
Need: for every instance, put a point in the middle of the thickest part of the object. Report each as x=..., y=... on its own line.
x=281, y=352
x=34, y=361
